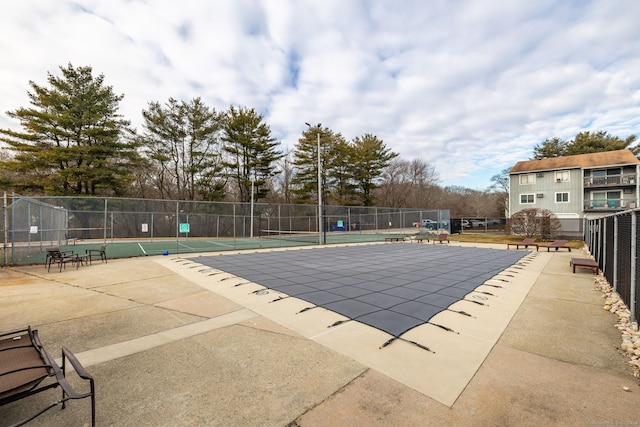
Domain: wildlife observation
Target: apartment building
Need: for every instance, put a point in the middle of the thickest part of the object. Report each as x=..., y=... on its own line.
x=580, y=186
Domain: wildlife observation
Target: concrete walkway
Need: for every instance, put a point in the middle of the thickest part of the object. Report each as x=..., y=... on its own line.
x=170, y=342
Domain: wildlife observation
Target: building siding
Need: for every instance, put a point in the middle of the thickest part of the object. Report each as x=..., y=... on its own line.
x=566, y=177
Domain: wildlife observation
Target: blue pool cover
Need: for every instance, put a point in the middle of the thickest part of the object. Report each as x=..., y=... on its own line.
x=393, y=287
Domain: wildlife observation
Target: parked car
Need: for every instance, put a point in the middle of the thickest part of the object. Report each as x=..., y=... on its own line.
x=430, y=224
x=478, y=223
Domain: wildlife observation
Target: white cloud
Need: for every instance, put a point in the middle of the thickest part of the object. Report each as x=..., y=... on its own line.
x=469, y=86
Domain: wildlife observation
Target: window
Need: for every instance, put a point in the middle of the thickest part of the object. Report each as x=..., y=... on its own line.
x=562, y=197
x=562, y=176
x=527, y=199
x=606, y=199
x=528, y=179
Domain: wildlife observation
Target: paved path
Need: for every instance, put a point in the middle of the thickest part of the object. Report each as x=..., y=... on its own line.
x=169, y=347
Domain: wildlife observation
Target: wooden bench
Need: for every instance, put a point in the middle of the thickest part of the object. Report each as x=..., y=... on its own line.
x=394, y=239
x=27, y=369
x=586, y=263
x=443, y=237
x=418, y=238
x=557, y=244
x=530, y=241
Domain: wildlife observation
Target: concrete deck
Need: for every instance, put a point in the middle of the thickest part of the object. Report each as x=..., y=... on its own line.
x=171, y=342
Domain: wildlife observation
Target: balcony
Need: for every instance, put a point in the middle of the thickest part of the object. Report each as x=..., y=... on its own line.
x=611, y=180
x=610, y=205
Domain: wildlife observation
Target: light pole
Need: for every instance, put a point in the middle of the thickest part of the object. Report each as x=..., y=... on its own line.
x=253, y=180
x=319, y=188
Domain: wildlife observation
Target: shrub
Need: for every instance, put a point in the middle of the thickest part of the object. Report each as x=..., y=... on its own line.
x=533, y=222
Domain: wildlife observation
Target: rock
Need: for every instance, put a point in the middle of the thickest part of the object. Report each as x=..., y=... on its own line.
x=626, y=388
x=607, y=307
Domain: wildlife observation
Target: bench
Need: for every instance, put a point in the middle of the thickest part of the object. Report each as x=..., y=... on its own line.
x=394, y=239
x=557, y=244
x=27, y=369
x=530, y=241
x=443, y=237
x=586, y=263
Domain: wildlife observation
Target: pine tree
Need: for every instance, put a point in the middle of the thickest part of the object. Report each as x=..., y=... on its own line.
x=304, y=182
x=251, y=152
x=73, y=139
x=371, y=157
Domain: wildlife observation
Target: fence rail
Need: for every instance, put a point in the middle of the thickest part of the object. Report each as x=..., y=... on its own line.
x=613, y=241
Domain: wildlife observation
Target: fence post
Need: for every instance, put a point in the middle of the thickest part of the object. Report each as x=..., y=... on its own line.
x=5, y=212
x=615, y=252
x=634, y=230
x=104, y=225
x=177, y=226
x=13, y=226
x=601, y=242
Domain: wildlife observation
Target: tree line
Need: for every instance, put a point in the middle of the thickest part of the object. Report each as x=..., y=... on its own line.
x=584, y=143
x=74, y=141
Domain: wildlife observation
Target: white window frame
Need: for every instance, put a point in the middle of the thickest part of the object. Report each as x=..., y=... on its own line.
x=562, y=176
x=562, y=201
x=527, y=179
x=532, y=196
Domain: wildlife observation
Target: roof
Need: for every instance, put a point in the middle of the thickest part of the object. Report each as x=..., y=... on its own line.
x=584, y=161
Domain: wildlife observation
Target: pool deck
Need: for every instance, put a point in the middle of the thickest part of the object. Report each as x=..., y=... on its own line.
x=171, y=342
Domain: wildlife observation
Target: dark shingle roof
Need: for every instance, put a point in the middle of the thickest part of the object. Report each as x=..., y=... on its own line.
x=584, y=161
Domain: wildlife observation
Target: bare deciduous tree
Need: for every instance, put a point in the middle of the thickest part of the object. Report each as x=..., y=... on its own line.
x=534, y=222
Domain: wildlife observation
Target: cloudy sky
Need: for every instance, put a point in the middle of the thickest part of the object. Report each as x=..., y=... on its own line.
x=469, y=86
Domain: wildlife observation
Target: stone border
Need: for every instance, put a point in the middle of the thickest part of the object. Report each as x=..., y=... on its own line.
x=630, y=345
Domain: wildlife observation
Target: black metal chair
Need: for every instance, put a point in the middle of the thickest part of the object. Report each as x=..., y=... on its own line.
x=56, y=256
x=70, y=239
x=25, y=367
x=98, y=253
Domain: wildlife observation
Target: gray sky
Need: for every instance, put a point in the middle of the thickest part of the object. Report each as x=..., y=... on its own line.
x=469, y=86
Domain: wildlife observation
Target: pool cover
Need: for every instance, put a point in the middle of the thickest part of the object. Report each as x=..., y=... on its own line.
x=392, y=287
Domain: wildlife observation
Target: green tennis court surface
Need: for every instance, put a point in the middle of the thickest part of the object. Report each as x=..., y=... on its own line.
x=128, y=248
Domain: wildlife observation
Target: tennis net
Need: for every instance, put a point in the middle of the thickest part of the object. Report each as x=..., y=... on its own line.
x=293, y=237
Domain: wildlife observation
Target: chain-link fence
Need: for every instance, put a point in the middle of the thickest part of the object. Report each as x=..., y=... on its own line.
x=34, y=223
x=614, y=241
x=28, y=225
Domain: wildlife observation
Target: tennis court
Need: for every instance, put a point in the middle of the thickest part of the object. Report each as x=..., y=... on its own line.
x=126, y=248
x=150, y=227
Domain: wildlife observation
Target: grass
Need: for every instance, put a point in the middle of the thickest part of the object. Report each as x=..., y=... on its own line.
x=503, y=238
